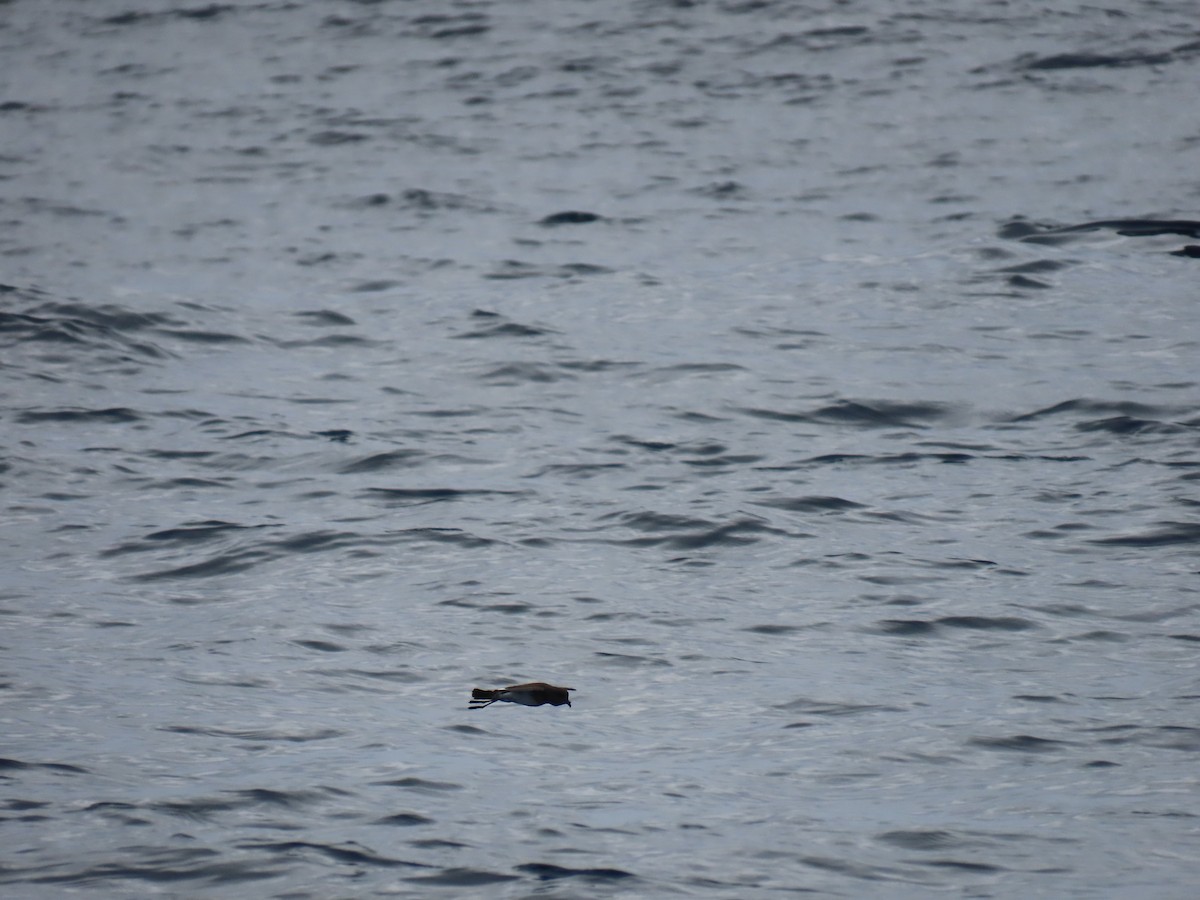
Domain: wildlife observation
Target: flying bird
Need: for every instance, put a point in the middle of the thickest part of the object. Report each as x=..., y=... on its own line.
x=534, y=694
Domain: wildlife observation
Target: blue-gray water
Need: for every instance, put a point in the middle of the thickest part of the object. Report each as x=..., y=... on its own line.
x=737, y=364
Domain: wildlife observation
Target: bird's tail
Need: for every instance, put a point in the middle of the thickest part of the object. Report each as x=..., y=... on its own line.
x=481, y=698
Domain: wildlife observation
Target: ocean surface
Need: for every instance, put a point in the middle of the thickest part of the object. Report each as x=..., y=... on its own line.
x=812, y=386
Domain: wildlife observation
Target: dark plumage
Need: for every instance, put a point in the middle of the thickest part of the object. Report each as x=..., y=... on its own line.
x=535, y=693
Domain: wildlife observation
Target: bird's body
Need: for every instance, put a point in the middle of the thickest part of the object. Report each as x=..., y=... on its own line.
x=533, y=694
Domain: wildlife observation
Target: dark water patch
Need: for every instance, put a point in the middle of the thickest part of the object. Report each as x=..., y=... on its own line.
x=570, y=217
x=1036, y=267
x=655, y=522
x=281, y=799
x=186, y=535
x=775, y=630
x=1176, y=737
x=103, y=327
x=814, y=503
x=1168, y=534
x=382, y=462
x=222, y=564
x=199, y=810
x=373, y=286
x=329, y=340
x=117, y=415
x=906, y=627
x=855, y=870
x=16, y=805
x=393, y=676
x=550, y=872
x=812, y=707
x=1100, y=635
x=453, y=536
x=196, y=13
x=987, y=623
x=1122, y=425
x=464, y=878
x=1036, y=233
x=256, y=734
x=198, y=336
x=1093, y=407
x=420, y=785
x=404, y=820
x=437, y=844
x=584, y=470
x=313, y=541
x=733, y=534
x=334, y=138
x=1022, y=743
x=1140, y=227
x=876, y=414
x=240, y=559
x=424, y=496
x=1058, y=532
x=326, y=318
x=730, y=459
x=596, y=365
x=350, y=852
x=165, y=866
x=1086, y=60
x=928, y=840
x=890, y=459
x=322, y=646
x=7, y=764
x=515, y=609
x=504, y=330
x=962, y=865
x=663, y=374
x=630, y=661
x=512, y=374
x=653, y=446
x=444, y=26
x=515, y=269
x=1038, y=698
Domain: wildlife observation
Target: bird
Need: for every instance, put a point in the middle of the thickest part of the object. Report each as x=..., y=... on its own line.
x=533, y=694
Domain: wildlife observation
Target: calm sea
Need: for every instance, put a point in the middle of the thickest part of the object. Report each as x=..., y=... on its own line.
x=812, y=386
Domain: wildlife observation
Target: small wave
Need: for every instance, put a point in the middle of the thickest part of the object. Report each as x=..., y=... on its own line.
x=117, y=415
x=570, y=217
x=463, y=878
x=10, y=764
x=422, y=496
x=813, y=503
x=549, y=872
x=256, y=734
x=404, y=820
x=922, y=627
x=349, y=852
x=1166, y=535
x=382, y=462
x=825, y=708
x=420, y=785
x=922, y=839
x=1022, y=743
x=705, y=535
x=876, y=414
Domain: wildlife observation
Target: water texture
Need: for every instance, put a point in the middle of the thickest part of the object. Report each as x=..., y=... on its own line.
x=811, y=386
